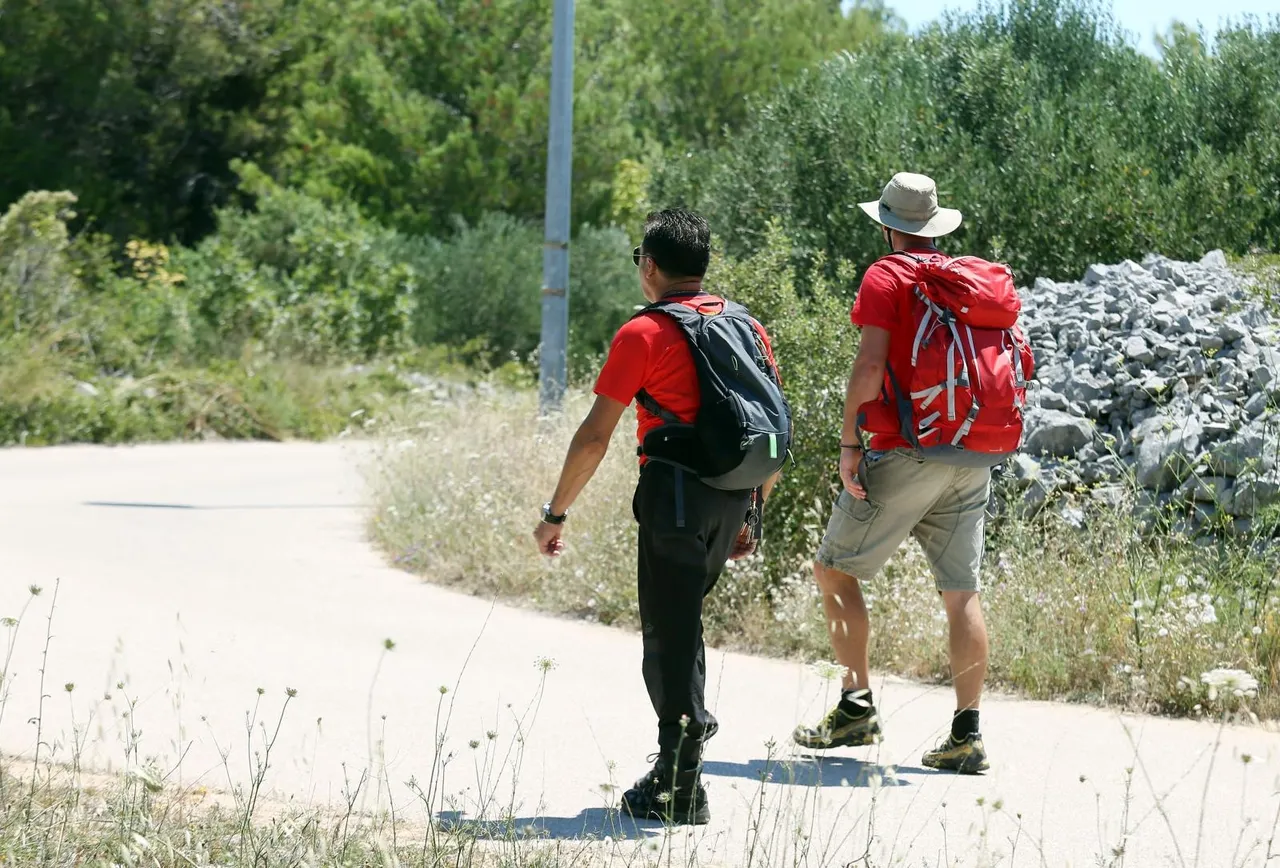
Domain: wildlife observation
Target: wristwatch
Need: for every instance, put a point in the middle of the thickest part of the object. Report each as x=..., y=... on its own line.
x=549, y=518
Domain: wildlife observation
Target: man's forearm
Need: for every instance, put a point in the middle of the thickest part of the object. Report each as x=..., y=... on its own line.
x=864, y=385
x=767, y=488
x=586, y=451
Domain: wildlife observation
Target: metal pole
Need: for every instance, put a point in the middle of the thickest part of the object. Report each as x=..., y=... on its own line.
x=555, y=252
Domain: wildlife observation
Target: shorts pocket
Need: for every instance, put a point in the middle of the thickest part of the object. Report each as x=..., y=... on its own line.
x=851, y=522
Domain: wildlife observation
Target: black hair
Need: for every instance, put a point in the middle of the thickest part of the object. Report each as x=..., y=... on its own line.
x=679, y=242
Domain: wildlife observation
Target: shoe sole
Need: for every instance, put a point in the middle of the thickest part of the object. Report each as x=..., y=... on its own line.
x=700, y=817
x=867, y=740
x=965, y=767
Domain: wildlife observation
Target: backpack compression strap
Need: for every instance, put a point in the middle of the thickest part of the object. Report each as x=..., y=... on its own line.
x=644, y=399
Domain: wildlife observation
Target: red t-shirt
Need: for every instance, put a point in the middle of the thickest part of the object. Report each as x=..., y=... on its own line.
x=650, y=352
x=885, y=300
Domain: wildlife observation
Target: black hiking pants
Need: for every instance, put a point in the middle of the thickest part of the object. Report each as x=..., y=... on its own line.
x=687, y=531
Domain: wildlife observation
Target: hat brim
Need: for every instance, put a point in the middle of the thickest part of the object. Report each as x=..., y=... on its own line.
x=946, y=221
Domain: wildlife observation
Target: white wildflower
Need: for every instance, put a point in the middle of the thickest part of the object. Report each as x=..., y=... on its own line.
x=828, y=671
x=1234, y=681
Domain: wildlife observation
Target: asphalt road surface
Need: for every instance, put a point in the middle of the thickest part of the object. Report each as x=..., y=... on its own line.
x=188, y=577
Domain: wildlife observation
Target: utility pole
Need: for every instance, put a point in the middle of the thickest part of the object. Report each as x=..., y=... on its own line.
x=555, y=250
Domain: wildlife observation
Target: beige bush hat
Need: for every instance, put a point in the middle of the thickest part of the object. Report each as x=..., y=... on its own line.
x=909, y=204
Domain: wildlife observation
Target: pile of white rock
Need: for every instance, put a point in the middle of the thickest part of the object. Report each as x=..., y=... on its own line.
x=1161, y=377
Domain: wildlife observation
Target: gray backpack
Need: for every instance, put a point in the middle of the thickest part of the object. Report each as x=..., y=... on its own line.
x=741, y=435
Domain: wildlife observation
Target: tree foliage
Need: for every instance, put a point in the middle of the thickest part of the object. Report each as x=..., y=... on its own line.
x=1062, y=143
x=418, y=112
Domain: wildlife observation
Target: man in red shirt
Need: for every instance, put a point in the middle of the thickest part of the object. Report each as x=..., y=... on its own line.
x=891, y=491
x=687, y=530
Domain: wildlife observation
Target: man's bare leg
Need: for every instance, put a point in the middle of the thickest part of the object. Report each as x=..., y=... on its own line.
x=853, y=722
x=847, y=622
x=963, y=750
x=969, y=646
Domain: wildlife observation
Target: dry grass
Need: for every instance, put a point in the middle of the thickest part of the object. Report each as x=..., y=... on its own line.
x=1083, y=604
x=459, y=491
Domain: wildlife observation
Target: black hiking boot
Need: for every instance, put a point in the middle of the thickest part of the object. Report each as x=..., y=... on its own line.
x=675, y=798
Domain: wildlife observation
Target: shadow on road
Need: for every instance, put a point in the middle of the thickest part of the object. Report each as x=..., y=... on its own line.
x=591, y=824
x=595, y=824
x=810, y=771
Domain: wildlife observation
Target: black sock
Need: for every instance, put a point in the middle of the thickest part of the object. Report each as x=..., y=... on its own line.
x=964, y=724
x=856, y=703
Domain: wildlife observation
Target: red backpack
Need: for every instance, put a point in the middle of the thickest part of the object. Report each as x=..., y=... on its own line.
x=961, y=402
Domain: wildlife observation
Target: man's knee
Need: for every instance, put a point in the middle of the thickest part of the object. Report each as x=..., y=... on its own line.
x=834, y=583
x=961, y=604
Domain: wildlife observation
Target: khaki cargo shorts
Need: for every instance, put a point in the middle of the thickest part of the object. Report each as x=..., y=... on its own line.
x=942, y=506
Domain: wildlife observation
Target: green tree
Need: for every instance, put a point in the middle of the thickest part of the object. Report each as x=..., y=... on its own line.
x=424, y=112
x=137, y=106
x=709, y=58
x=1060, y=141
x=418, y=112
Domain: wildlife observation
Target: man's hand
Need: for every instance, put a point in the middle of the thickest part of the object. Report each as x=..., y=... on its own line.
x=744, y=545
x=849, y=461
x=865, y=383
x=548, y=537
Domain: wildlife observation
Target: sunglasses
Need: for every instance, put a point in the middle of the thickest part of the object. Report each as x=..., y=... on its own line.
x=636, y=256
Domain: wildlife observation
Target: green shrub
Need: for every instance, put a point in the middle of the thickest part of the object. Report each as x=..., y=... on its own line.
x=292, y=280
x=37, y=286
x=481, y=289
x=302, y=278
x=68, y=296
x=42, y=404
x=136, y=317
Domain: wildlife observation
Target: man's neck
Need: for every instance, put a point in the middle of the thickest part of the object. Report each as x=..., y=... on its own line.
x=917, y=250
x=682, y=287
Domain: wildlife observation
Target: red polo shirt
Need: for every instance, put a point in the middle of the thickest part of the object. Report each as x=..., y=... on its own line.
x=650, y=352
x=885, y=300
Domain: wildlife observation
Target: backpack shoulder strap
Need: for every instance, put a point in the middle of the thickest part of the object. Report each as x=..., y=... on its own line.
x=672, y=307
x=681, y=313
x=688, y=320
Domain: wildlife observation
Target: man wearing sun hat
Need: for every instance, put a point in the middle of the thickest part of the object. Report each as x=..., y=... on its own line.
x=892, y=490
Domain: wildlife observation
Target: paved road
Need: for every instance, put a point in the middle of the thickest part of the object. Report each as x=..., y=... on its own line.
x=195, y=574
